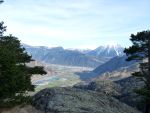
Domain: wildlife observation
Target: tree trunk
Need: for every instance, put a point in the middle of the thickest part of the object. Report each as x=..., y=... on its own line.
x=148, y=78
x=147, y=108
x=147, y=104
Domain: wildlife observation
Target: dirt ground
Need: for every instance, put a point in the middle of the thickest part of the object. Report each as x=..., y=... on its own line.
x=19, y=109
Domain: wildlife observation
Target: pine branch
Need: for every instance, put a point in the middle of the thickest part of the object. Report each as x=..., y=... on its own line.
x=1, y=1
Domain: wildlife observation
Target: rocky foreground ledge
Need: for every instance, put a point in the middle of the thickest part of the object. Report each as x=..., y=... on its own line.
x=73, y=100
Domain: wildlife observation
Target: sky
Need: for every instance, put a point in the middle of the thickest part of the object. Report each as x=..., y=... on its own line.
x=84, y=24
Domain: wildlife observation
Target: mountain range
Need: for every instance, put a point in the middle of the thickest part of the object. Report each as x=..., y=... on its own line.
x=108, y=51
x=110, y=82
x=74, y=57
x=114, y=64
x=116, y=68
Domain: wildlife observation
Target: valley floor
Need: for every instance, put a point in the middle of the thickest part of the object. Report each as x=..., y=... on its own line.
x=58, y=76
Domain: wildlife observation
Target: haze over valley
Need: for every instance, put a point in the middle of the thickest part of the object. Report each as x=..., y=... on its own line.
x=74, y=56
x=67, y=67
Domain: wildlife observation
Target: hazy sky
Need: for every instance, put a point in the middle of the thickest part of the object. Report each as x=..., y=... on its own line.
x=75, y=23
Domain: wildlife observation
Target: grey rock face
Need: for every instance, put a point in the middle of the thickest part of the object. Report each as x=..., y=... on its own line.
x=128, y=96
x=122, y=89
x=72, y=100
x=102, y=86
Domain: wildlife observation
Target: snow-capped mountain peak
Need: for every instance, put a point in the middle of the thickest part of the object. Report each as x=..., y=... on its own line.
x=110, y=50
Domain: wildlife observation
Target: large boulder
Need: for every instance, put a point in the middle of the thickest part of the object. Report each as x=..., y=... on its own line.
x=128, y=95
x=122, y=89
x=103, y=86
x=73, y=100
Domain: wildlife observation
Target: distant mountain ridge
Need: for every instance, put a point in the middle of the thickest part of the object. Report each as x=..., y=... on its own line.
x=61, y=56
x=115, y=68
x=114, y=64
x=74, y=57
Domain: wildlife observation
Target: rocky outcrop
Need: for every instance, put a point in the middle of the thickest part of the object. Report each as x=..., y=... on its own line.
x=73, y=100
x=128, y=95
x=102, y=86
x=123, y=89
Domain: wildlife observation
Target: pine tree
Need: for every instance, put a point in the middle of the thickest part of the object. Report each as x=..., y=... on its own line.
x=140, y=51
x=2, y=28
x=1, y=1
x=15, y=75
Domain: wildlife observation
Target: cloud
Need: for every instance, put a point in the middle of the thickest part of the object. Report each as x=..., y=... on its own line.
x=75, y=23
x=91, y=46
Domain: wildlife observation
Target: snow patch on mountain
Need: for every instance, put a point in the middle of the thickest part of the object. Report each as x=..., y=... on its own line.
x=108, y=51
